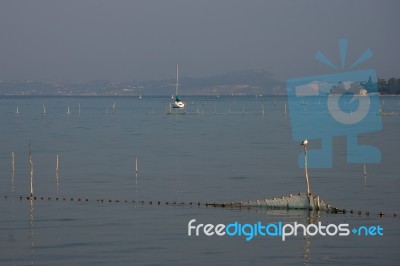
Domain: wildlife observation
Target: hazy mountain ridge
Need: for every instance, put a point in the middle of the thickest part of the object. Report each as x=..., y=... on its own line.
x=247, y=82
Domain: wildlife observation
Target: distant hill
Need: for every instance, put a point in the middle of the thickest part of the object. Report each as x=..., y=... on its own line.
x=248, y=82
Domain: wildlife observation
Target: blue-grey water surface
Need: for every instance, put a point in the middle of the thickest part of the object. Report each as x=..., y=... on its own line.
x=223, y=149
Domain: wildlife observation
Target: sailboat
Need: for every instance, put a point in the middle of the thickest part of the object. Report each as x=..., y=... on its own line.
x=178, y=103
x=17, y=112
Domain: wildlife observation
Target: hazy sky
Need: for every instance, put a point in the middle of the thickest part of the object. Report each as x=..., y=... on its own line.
x=81, y=40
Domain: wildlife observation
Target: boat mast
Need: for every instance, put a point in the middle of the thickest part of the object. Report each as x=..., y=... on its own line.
x=177, y=80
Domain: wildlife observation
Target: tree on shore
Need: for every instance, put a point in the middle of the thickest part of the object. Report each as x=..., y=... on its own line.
x=391, y=86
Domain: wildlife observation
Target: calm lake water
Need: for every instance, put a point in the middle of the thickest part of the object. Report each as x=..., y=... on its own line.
x=222, y=150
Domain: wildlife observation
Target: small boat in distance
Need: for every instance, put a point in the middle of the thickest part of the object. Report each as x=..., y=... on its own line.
x=178, y=103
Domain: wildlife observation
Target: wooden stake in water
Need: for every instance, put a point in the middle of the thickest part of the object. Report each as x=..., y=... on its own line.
x=57, y=176
x=306, y=170
x=365, y=175
x=285, y=110
x=136, y=165
x=31, y=168
x=12, y=163
x=304, y=143
x=12, y=170
x=365, y=171
x=57, y=164
x=136, y=177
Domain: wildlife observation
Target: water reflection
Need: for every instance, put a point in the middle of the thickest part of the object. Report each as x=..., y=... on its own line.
x=312, y=218
x=305, y=217
x=31, y=223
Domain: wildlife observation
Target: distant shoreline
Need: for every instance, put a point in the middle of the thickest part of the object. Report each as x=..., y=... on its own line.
x=165, y=96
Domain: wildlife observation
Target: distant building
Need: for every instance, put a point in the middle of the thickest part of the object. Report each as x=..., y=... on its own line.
x=363, y=92
x=369, y=85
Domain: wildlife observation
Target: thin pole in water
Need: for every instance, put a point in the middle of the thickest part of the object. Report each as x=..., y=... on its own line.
x=136, y=166
x=365, y=170
x=306, y=172
x=365, y=174
x=12, y=170
x=57, y=164
x=57, y=176
x=136, y=177
x=31, y=168
x=12, y=163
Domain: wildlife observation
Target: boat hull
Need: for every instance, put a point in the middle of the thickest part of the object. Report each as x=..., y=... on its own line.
x=178, y=105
